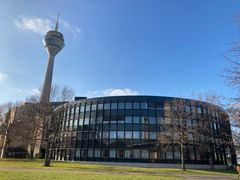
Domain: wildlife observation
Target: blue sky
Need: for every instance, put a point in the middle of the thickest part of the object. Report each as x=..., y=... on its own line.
x=154, y=47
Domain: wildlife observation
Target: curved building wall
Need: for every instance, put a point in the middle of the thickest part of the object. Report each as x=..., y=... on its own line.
x=129, y=129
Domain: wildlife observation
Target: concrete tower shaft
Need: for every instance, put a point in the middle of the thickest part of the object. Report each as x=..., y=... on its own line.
x=54, y=43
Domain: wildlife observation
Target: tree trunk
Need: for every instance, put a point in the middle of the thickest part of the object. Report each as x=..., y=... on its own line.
x=211, y=161
x=32, y=152
x=211, y=158
x=182, y=157
x=47, y=160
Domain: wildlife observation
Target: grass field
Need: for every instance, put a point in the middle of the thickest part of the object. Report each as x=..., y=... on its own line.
x=33, y=169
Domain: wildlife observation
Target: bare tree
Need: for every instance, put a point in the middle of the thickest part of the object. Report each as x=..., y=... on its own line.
x=216, y=126
x=5, y=121
x=66, y=94
x=232, y=72
x=44, y=115
x=58, y=94
x=234, y=114
x=32, y=122
x=176, y=131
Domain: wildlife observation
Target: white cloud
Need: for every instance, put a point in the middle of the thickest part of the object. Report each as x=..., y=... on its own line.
x=27, y=92
x=119, y=92
x=43, y=25
x=3, y=76
x=35, y=91
x=71, y=28
x=34, y=24
x=112, y=92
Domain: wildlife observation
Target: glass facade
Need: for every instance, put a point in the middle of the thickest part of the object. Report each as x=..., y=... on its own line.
x=129, y=129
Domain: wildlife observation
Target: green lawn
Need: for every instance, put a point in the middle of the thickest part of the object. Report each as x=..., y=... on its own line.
x=33, y=169
x=23, y=175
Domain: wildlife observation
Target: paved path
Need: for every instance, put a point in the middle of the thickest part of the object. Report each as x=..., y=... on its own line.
x=187, y=176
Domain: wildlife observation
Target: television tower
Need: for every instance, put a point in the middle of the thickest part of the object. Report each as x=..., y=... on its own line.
x=53, y=43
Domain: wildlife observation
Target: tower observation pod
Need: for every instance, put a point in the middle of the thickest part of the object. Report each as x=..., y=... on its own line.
x=53, y=43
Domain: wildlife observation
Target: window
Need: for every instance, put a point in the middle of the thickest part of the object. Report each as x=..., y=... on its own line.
x=187, y=109
x=151, y=105
x=79, y=136
x=136, y=134
x=159, y=106
x=82, y=108
x=86, y=121
x=94, y=107
x=114, y=106
x=136, y=119
x=159, y=120
x=194, y=123
x=77, y=110
x=199, y=110
x=92, y=121
x=97, y=153
x=84, y=135
x=136, y=105
x=120, y=105
x=120, y=134
x=75, y=123
x=70, y=124
x=176, y=154
x=204, y=111
x=84, y=152
x=98, y=134
x=144, y=135
x=80, y=122
x=169, y=155
x=100, y=106
x=128, y=105
x=144, y=105
x=128, y=154
x=144, y=120
x=91, y=135
x=152, y=120
x=90, y=152
x=153, y=155
x=128, y=134
x=113, y=134
x=193, y=109
x=120, y=153
x=113, y=121
x=105, y=153
x=136, y=153
x=77, y=153
x=191, y=153
x=99, y=120
x=128, y=119
x=189, y=122
x=190, y=137
x=107, y=106
x=106, y=121
x=120, y=119
x=112, y=153
x=145, y=154
x=152, y=135
x=88, y=108
x=105, y=134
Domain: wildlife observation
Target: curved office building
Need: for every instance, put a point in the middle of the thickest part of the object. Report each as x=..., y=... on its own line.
x=142, y=129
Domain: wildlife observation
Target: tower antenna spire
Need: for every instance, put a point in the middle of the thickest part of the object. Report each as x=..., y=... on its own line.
x=56, y=27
